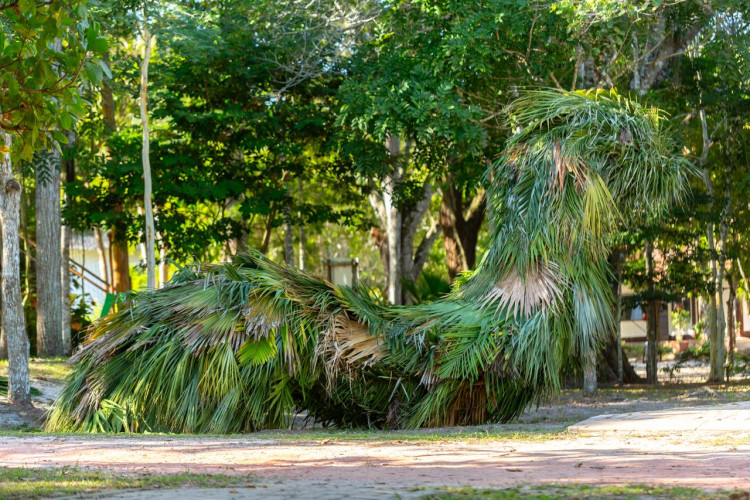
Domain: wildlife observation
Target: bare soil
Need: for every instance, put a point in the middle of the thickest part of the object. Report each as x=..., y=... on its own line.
x=339, y=462
x=612, y=460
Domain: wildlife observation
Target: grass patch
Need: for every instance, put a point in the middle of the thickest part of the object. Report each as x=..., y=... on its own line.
x=21, y=483
x=547, y=492
x=4, y=388
x=468, y=434
x=55, y=369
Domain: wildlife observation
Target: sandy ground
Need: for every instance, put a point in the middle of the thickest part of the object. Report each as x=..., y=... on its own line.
x=304, y=467
x=673, y=459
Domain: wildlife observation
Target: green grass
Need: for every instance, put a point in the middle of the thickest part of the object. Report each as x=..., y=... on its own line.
x=4, y=388
x=20, y=483
x=578, y=491
x=43, y=368
x=468, y=434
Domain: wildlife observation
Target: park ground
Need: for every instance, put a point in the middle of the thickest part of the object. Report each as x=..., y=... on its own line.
x=538, y=456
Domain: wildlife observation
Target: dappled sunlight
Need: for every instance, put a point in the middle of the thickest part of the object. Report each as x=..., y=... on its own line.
x=667, y=460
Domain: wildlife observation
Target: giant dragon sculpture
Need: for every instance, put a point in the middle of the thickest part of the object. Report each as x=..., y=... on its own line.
x=247, y=345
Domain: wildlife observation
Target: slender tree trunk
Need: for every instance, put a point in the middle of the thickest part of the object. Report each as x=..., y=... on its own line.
x=66, y=237
x=102, y=256
x=12, y=305
x=147, y=203
x=28, y=256
x=652, y=320
x=395, y=238
x=301, y=227
x=288, y=229
x=393, y=229
x=718, y=347
x=731, y=321
x=268, y=229
x=164, y=264
x=67, y=315
x=48, y=256
x=3, y=340
x=618, y=319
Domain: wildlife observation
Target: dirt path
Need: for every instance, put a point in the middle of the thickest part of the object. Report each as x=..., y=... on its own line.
x=663, y=460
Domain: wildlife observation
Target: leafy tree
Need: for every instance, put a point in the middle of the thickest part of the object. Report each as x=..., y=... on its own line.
x=44, y=52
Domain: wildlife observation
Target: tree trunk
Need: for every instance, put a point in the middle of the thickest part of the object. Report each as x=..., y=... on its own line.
x=392, y=239
x=718, y=353
x=66, y=237
x=589, y=374
x=48, y=256
x=3, y=340
x=147, y=203
x=301, y=228
x=268, y=229
x=12, y=306
x=288, y=229
x=618, y=319
x=652, y=321
x=118, y=246
x=398, y=228
x=164, y=264
x=102, y=256
x=732, y=321
x=460, y=228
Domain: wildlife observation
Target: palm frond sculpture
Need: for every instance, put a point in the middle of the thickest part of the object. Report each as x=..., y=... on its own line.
x=243, y=346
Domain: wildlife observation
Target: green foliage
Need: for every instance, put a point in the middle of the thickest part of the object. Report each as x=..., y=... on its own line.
x=46, y=49
x=227, y=150
x=242, y=346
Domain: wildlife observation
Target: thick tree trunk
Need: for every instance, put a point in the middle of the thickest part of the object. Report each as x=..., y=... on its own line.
x=12, y=306
x=589, y=374
x=460, y=228
x=120, y=264
x=48, y=256
x=147, y=203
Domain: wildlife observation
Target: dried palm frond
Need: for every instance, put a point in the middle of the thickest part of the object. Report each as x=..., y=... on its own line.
x=517, y=294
